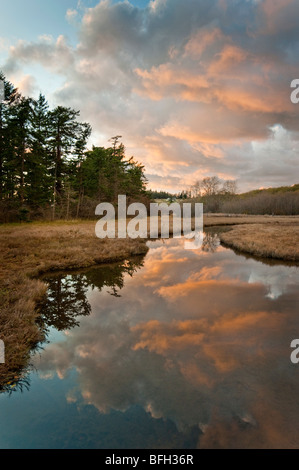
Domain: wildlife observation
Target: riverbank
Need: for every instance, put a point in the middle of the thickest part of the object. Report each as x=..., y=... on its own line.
x=231, y=219
x=280, y=241
x=274, y=237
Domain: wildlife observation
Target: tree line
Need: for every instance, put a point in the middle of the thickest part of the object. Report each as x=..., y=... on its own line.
x=221, y=196
x=212, y=192
x=46, y=170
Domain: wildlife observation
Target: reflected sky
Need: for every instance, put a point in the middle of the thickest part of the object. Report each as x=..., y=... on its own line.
x=196, y=347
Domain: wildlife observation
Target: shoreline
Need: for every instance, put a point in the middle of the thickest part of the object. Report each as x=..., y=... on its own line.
x=279, y=242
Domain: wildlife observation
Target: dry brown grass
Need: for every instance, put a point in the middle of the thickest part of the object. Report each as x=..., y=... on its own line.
x=280, y=241
x=37, y=248
x=262, y=236
x=222, y=219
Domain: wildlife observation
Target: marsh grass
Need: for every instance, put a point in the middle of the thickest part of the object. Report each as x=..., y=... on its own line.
x=280, y=241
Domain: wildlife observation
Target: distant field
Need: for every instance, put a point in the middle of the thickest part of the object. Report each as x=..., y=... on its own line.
x=240, y=219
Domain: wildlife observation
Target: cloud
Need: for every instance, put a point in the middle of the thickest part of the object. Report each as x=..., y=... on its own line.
x=71, y=16
x=27, y=85
x=53, y=55
x=192, y=92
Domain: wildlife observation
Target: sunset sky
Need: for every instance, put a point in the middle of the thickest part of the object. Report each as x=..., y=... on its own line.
x=195, y=87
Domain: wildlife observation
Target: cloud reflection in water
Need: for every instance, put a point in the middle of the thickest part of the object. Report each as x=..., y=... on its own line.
x=198, y=337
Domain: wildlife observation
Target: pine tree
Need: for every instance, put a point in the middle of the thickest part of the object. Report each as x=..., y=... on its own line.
x=7, y=129
x=21, y=124
x=39, y=167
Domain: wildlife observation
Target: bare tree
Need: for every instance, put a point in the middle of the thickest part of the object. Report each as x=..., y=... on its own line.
x=196, y=189
x=229, y=187
x=210, y=185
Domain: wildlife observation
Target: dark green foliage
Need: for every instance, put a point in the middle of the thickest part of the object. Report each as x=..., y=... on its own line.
x=161, y=195
x=45, y=168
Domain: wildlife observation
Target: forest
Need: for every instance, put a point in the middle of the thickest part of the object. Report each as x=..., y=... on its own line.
x=46, y=169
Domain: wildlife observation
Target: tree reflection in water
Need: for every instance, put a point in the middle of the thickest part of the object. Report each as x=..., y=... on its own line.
x=66, y=302
x=67, y=294
x=210, y=242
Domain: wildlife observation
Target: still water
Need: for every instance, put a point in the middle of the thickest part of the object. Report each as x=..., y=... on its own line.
x=179, y=349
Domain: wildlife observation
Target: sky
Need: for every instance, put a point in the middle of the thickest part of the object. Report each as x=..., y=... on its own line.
x=195, y=88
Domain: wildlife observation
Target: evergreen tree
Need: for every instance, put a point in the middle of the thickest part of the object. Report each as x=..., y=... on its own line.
x=21, y=124
x=11, y=98
x=62, y=132
x=67, y=137
x=39, y=165
x=44, y=164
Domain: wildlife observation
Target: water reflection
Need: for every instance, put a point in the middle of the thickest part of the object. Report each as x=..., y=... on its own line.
x=197, y=348
x=66, y=302
x=210, y=242
x=67, y=298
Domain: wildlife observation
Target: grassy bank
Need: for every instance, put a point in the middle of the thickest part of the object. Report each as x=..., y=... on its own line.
x=228, y=219
x=279, y=241
x=275, y=237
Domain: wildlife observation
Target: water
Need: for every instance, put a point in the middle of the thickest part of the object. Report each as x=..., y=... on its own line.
x=180, y=349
